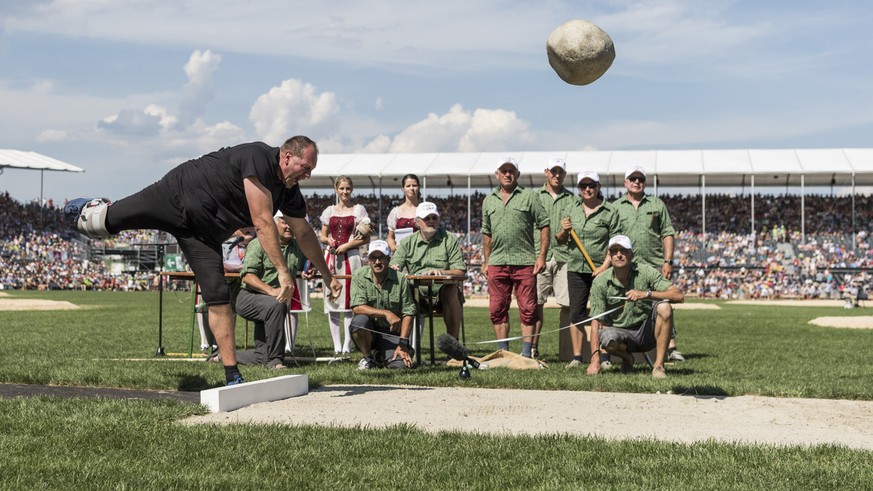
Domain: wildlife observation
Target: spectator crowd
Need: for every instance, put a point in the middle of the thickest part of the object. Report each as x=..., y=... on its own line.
x=39, y=249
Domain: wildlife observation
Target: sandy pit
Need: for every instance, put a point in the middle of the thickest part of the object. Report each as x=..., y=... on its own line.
x=18, y=304
x=858, y=322
x=618, y=416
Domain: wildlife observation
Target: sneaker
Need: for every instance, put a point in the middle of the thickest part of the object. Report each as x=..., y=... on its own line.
x=659, y=373
x=89, y=216
x=675, y=355
x=74, y=206
x=605, y=365
x=367, y=363
x=236, y=380
x=534, y=352
x=573, y=364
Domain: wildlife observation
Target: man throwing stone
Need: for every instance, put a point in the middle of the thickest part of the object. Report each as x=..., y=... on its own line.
x=203, y=201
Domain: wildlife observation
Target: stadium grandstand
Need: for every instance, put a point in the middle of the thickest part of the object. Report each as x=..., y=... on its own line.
x=752, y=223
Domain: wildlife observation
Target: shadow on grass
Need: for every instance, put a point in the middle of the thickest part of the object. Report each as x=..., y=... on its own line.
x=189, y=383
x=704, y=391
x=698, y=356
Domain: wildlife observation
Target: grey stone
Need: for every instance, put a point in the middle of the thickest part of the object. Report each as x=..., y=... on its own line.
x=580, y=52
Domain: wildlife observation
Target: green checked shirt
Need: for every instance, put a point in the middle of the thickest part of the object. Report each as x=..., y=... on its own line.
x=511, y=226
x=419, y=256
x=594, y=232
x=257, y=263
x=642, y=277
x=554, y=206
x=646, y=225
x=395, y=294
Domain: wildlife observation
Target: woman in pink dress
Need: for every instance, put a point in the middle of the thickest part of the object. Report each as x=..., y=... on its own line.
x=402, y=216
x=339, y=232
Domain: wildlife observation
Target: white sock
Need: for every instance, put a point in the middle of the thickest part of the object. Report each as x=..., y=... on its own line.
x=290, y=332
x=347, y=344
x=334, y=319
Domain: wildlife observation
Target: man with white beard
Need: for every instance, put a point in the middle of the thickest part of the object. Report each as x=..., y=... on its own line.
x=433, y=251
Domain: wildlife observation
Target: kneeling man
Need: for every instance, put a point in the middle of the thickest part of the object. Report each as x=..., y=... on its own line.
x=646, y=320
x=381, y=300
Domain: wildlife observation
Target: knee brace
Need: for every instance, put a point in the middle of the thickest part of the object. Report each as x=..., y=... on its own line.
x=92, y=219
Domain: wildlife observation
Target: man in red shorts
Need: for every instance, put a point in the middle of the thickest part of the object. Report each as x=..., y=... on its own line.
x=511, y=215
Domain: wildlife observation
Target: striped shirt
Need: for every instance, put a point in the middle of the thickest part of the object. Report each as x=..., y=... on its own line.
x=554, y=206
x=511, y=226
x=594, y=232
x=419, y=256
x=632, y=316
x=257, y=263
x=394, y=295
x=646, y=226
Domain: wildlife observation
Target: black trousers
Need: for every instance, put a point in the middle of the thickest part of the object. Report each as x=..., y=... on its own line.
x=579, y=289
x=269, y=318
x=159, y=207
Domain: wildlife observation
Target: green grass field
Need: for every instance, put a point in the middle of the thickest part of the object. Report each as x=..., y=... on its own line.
x=81, y=443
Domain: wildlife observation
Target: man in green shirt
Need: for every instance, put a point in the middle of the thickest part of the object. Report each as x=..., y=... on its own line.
x=381, y=300
x=257, y=299
x=552, y=280
x=433, y=251
x=637, y=326
x=510, y=215
x=646, y=221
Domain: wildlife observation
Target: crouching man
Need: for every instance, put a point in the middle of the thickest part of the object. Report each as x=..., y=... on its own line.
x=381, y=300
x=646, y=320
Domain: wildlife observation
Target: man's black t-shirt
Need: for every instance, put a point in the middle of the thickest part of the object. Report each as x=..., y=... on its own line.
x=210, y=189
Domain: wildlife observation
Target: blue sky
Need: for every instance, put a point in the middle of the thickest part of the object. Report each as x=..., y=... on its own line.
x=129, y=89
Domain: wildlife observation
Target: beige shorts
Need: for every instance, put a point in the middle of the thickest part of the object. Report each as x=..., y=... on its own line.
x=553, y=281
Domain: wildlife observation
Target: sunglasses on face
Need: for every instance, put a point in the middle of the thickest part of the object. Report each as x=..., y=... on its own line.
x=637, y=179
x=588, y=185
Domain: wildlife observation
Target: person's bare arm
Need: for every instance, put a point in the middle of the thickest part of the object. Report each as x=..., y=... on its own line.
x=486, y=252
x=260, y=203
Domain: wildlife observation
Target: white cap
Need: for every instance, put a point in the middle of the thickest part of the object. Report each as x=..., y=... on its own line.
x=588, y=174
x=557, y=162
x=621, y=240
x=380, y=246
x=278, y=215
x=507, y=160
x=426, y=209
x=633, y=169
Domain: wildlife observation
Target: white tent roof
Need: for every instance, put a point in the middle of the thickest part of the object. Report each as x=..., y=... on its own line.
x=782, y=167
x=32, y=160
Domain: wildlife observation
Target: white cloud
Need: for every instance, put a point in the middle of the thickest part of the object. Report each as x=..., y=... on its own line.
x=166, y=121
x=198, y=92
x=293, y=108
x=379, y=104
x=459, y=130
x=51, y=136
x=131, y=122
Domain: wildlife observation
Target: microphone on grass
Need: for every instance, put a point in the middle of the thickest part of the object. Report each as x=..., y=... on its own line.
x=457, y=351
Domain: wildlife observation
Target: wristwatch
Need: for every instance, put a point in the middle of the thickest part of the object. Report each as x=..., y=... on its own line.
x=649, y=294
x=404, y=342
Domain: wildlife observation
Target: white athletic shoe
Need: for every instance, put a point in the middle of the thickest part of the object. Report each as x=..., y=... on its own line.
x=90, y=216
x=367, y=363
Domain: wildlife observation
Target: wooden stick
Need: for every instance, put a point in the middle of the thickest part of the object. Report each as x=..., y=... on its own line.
x=581, y=248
